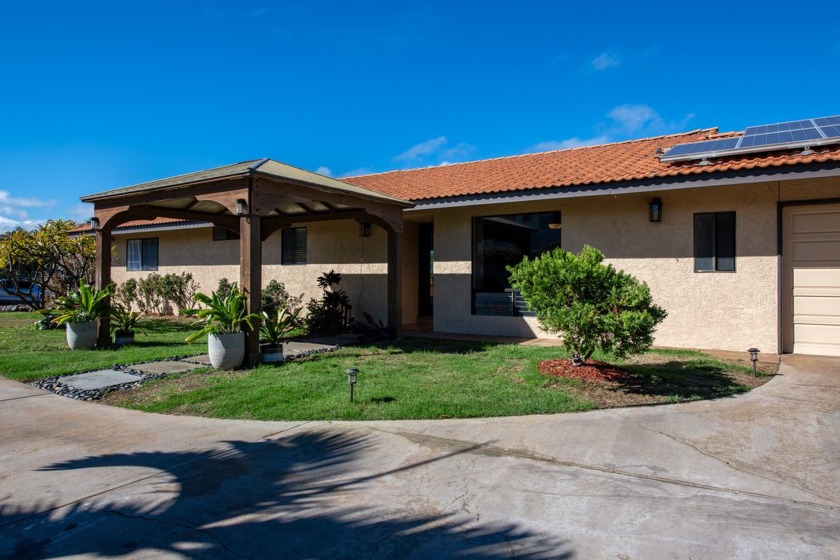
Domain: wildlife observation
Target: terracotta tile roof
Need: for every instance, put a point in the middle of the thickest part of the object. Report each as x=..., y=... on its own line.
x=606, y=163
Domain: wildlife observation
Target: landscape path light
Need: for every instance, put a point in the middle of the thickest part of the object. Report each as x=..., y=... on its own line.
x=754, y=358
x=351, y=379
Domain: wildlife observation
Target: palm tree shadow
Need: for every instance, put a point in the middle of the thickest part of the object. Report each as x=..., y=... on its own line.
x=269, y=499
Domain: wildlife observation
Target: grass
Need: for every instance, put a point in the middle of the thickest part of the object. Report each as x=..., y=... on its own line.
x=404, y=380
x=27, y=354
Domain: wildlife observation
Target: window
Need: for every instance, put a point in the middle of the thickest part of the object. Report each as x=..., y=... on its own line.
x=142, y=254
x=224, y=234
x=502, y=241
x=714, y=242
x=293, y=246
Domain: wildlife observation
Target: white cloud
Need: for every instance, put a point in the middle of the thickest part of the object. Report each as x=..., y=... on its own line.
x=625, y=121
x=434, y=152
x=359, y=171
x=421, y=150
x=642, y=120
x=462, y=151
x=605, y=61
x=324, y=170
x=8, y=224
x=24, y=202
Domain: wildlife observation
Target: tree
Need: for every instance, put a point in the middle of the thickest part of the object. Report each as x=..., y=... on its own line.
x=588, y=303
x=48, y=258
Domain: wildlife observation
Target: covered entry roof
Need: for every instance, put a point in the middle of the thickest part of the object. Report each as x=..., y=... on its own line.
x=273, y=190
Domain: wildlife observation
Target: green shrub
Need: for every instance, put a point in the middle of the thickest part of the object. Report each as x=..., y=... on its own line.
x=589, y=304
x=225, y=288
x=275, y=297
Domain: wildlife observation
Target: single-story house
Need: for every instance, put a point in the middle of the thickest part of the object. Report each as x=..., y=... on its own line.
x=737, y=234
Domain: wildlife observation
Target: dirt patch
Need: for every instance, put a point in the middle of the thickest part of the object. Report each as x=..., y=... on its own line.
x=158, y=390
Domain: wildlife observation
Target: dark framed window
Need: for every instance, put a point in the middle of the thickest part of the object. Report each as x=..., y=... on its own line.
x=293, y=246
x=502, y=241
x=714, y=242
x=142, y=254
x=224, y=234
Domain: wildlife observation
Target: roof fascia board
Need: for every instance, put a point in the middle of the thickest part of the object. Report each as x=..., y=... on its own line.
x=731, y=178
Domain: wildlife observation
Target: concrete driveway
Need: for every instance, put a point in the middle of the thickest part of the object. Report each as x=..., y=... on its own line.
x=749, y=477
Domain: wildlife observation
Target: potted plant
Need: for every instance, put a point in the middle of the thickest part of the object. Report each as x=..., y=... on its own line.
x=79, y=311
x=272, y=331
x=222, y=320
x=124, y=322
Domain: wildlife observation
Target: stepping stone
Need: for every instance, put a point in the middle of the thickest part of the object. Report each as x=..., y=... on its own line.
x=158, y=368
x=101, y=379
x=201, y=360
x=295, y=348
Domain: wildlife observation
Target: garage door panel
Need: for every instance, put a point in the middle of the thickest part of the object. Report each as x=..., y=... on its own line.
x=818, y=251
x=811, y=259
x=815, y=307
x=816, y=222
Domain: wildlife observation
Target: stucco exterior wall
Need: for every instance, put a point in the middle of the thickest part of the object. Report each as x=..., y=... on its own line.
x=362, y=261
x=713, y=310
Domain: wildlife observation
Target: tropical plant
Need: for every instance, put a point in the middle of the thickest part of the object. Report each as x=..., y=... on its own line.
x=221, y=315
x=275, y=326
x=85, y=304
x=589, y=304
x=124, y=321
x=332, y=312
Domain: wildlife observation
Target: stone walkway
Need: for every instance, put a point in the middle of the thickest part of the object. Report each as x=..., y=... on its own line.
x=93, y=384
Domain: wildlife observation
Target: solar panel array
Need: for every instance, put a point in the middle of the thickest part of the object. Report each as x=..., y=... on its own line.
x=779, y=136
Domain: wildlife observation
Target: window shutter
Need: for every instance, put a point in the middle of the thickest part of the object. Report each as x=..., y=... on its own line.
x=293, y=246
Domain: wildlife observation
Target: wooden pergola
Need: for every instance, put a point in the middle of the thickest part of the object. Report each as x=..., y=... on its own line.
x=254, y=198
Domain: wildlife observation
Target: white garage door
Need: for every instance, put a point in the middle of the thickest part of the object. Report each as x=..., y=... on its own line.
x=811, y=265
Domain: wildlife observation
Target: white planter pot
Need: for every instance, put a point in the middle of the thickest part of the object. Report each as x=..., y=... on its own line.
x=226, y=350
x=272, y=354
x=81, y=335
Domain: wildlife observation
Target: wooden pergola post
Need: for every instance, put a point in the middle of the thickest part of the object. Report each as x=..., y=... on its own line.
x=102, y=280
x=395, y=282
x=250, y=279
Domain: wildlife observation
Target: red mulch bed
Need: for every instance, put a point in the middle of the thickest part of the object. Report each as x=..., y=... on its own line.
x=589, y=371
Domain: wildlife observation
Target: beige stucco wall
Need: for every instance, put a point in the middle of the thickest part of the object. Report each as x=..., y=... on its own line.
x=330, y=246
x=724, y=310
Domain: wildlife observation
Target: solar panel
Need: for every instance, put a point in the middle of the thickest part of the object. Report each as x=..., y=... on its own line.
x=709, y=146
x=764, y=138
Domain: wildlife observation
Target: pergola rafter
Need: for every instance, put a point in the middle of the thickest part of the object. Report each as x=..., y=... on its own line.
x=253, y=198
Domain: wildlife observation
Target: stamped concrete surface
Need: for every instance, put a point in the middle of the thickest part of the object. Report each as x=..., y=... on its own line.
x=754, y=476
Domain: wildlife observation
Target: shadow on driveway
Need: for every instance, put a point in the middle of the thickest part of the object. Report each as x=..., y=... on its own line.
x=288, y=498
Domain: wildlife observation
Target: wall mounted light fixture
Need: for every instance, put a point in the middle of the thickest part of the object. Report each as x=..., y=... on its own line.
x=94, y=223
x=241, y=207
x=655, y=210
x=364, y=229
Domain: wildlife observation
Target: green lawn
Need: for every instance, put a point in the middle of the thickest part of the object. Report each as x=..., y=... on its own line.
x=400, y=380
x=27, y=354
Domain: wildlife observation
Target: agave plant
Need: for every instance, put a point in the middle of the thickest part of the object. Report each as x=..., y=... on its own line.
x=221, y=315
x=274, y=327
x=125, y=321
x=83, y=305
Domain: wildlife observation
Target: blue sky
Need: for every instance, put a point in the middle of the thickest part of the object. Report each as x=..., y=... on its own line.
x=99, y=95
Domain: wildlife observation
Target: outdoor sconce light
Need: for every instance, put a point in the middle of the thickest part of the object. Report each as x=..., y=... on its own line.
x=754, y=358
x=655, y=210
x=351, y=379
x=241, y=207
x=364, y=229
x=94, y=223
